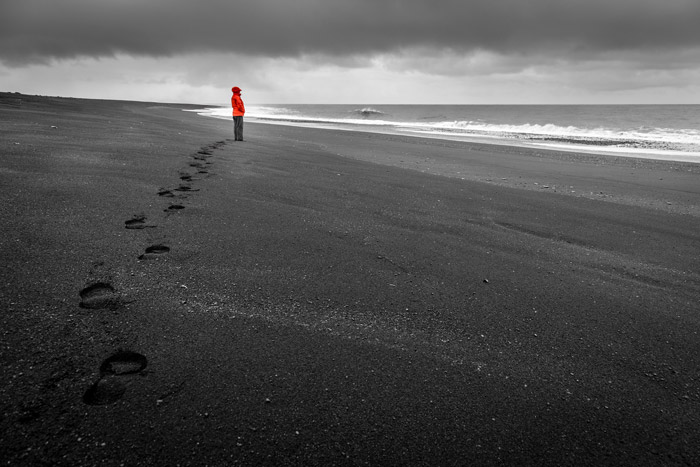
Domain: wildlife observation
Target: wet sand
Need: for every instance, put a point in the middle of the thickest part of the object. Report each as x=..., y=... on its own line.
x=318, y=297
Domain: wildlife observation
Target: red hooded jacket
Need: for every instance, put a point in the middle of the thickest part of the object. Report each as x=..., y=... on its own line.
x=237, y=102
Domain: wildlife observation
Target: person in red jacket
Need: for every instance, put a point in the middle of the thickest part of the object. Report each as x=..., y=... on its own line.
x=238, y=112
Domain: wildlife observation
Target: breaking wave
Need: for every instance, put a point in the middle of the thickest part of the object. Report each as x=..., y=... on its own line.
x=596, y=138
x=368, y=112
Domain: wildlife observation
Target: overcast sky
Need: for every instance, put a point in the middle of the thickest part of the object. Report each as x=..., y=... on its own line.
x=355, y=51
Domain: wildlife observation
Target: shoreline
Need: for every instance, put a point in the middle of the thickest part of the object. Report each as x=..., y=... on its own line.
x=543, y=141
x=318, y=297
x=531, y=168
x=485, y=143
x=594, y=150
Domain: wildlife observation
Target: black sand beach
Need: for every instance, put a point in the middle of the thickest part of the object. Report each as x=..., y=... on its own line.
x=318, y=297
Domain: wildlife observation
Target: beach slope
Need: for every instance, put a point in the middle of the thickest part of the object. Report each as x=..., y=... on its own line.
x=317, y=297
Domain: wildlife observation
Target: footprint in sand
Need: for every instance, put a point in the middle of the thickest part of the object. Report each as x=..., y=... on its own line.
x=124, y=362
x=111, y=386
x=154, y=251
x=106, y=390
x=166, y=193
x=100, y=295
x=214, y=146
x=137, y=222
x=186, y=188
x=174, y=207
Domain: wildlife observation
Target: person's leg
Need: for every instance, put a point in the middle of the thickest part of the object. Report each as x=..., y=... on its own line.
x=235, y=130
x=239, y=129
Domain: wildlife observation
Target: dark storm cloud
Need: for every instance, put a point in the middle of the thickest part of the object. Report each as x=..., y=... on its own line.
x=39, y=30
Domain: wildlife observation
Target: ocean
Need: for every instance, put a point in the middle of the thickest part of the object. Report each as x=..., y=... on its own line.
x=667, y=132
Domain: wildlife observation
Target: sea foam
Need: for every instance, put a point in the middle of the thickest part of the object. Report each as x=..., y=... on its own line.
x=664, y=131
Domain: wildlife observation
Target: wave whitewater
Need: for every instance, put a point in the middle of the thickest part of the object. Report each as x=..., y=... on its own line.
x=599, y=133
x=368, y=112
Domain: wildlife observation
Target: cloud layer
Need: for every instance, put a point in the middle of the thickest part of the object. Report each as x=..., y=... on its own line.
x=35, y=31
x=319, y=51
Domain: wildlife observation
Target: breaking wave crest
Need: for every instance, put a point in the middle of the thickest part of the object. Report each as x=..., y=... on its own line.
x=639, y=138
x=368, y=112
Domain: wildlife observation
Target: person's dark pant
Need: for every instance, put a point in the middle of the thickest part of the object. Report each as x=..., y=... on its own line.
x=238, y=128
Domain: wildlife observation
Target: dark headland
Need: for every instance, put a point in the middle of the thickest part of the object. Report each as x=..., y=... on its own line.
x=316, y=297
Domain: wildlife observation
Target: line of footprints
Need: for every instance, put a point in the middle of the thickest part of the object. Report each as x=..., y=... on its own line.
x=116, y=371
